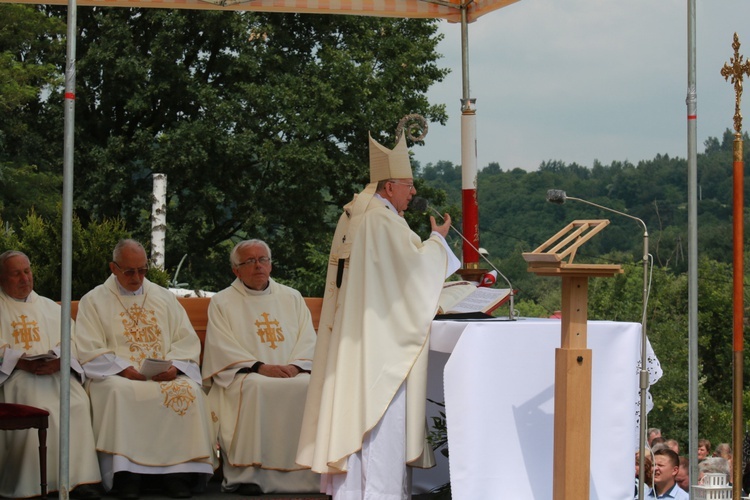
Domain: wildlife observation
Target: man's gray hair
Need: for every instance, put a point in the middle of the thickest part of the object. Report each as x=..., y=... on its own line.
x=7, y=255
x=234, y=260
x=660, y=446
x=717, y=465
x=122, y=244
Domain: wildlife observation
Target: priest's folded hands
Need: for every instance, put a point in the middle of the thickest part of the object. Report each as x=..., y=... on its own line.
x=279, y=371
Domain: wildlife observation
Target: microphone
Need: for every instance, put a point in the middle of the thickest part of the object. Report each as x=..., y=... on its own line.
x=421, y=204
x=418, y=204
x=556, y=196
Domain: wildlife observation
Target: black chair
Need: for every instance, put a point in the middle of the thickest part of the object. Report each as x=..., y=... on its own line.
x=16, y=417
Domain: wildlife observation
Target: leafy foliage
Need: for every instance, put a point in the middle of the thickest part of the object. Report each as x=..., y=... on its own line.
x=41, y=240
x=30, y=50
x=260, y=122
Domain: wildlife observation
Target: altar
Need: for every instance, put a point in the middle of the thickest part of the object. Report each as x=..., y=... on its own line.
x=498, y=387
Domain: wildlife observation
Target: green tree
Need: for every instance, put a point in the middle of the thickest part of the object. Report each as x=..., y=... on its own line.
x=41, y=239
x=619, y=299
x=30, y=50
x=27, y=39
x=260, y=122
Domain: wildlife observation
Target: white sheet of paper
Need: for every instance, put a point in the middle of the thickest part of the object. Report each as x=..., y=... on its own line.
x=151, y=367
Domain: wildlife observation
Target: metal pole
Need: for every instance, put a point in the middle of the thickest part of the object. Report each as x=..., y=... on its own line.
x=643, y=381
x=67, y=252
x=465, y=92
x=470, y=222
x=692, y=155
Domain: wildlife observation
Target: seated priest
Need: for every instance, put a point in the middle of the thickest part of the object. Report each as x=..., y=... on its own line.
x=258, y=355
x=156, y=429
x=30, y=375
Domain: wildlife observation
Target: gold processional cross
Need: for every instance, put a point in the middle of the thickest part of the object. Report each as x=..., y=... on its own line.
x=735, y=69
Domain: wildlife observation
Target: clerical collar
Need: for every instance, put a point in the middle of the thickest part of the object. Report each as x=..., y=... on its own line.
x=251, y=291
x=387, y=203
x=125, y=291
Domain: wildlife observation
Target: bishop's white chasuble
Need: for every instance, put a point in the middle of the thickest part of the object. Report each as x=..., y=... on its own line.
x=373, y=336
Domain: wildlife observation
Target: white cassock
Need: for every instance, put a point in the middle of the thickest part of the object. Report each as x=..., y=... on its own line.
x=33, y=327
x=259, y=416
x=144, y=427
x=365, y=411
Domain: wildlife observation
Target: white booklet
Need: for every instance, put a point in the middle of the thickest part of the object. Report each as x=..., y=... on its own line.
x=47, y=356
x=465, y=297
x=153, y=366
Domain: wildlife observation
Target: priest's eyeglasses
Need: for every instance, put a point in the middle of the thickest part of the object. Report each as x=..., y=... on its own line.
x=409, y=185
x=141, y=271
x=252, y=261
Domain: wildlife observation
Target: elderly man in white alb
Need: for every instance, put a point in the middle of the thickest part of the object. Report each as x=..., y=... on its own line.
x=30, y=327
x=364, y=418
x=144, y=427
x=258, y=353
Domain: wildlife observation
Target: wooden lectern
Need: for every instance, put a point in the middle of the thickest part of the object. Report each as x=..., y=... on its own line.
x=572, y=442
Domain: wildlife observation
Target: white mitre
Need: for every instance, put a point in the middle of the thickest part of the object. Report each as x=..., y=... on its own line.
x=384, y=164
x=389, y=164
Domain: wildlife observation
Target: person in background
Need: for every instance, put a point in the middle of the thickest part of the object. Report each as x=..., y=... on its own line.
x=666, y=467
x=258, y=354
x=714, y=465
x=652, y=433
x=30, y=326
x=704, y=449
x=724, y=450
x=648, y=473
x=658, y=441
x=364, y=421
x=673, y=445
x=683, y=475
x=158, y=427
x=746, y=464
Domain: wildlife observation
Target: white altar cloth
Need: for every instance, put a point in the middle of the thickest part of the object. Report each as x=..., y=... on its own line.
x=499, y=397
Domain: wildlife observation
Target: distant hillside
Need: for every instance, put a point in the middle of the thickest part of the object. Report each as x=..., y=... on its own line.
x=514, y=215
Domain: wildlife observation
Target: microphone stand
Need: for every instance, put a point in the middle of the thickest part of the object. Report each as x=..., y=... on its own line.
x=643, y=382
x=511, y=313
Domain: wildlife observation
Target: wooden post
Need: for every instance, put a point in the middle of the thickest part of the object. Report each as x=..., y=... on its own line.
x=573, y=360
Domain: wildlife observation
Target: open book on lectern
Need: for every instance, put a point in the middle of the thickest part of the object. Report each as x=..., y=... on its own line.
x=464, y=299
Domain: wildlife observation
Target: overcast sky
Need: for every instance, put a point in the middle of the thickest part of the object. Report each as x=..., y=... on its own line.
x=585, y=80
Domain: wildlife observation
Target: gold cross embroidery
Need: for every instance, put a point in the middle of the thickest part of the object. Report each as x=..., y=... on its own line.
x=142, y=332
x=735, y=70
x=26, y=332
x=269, y=331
